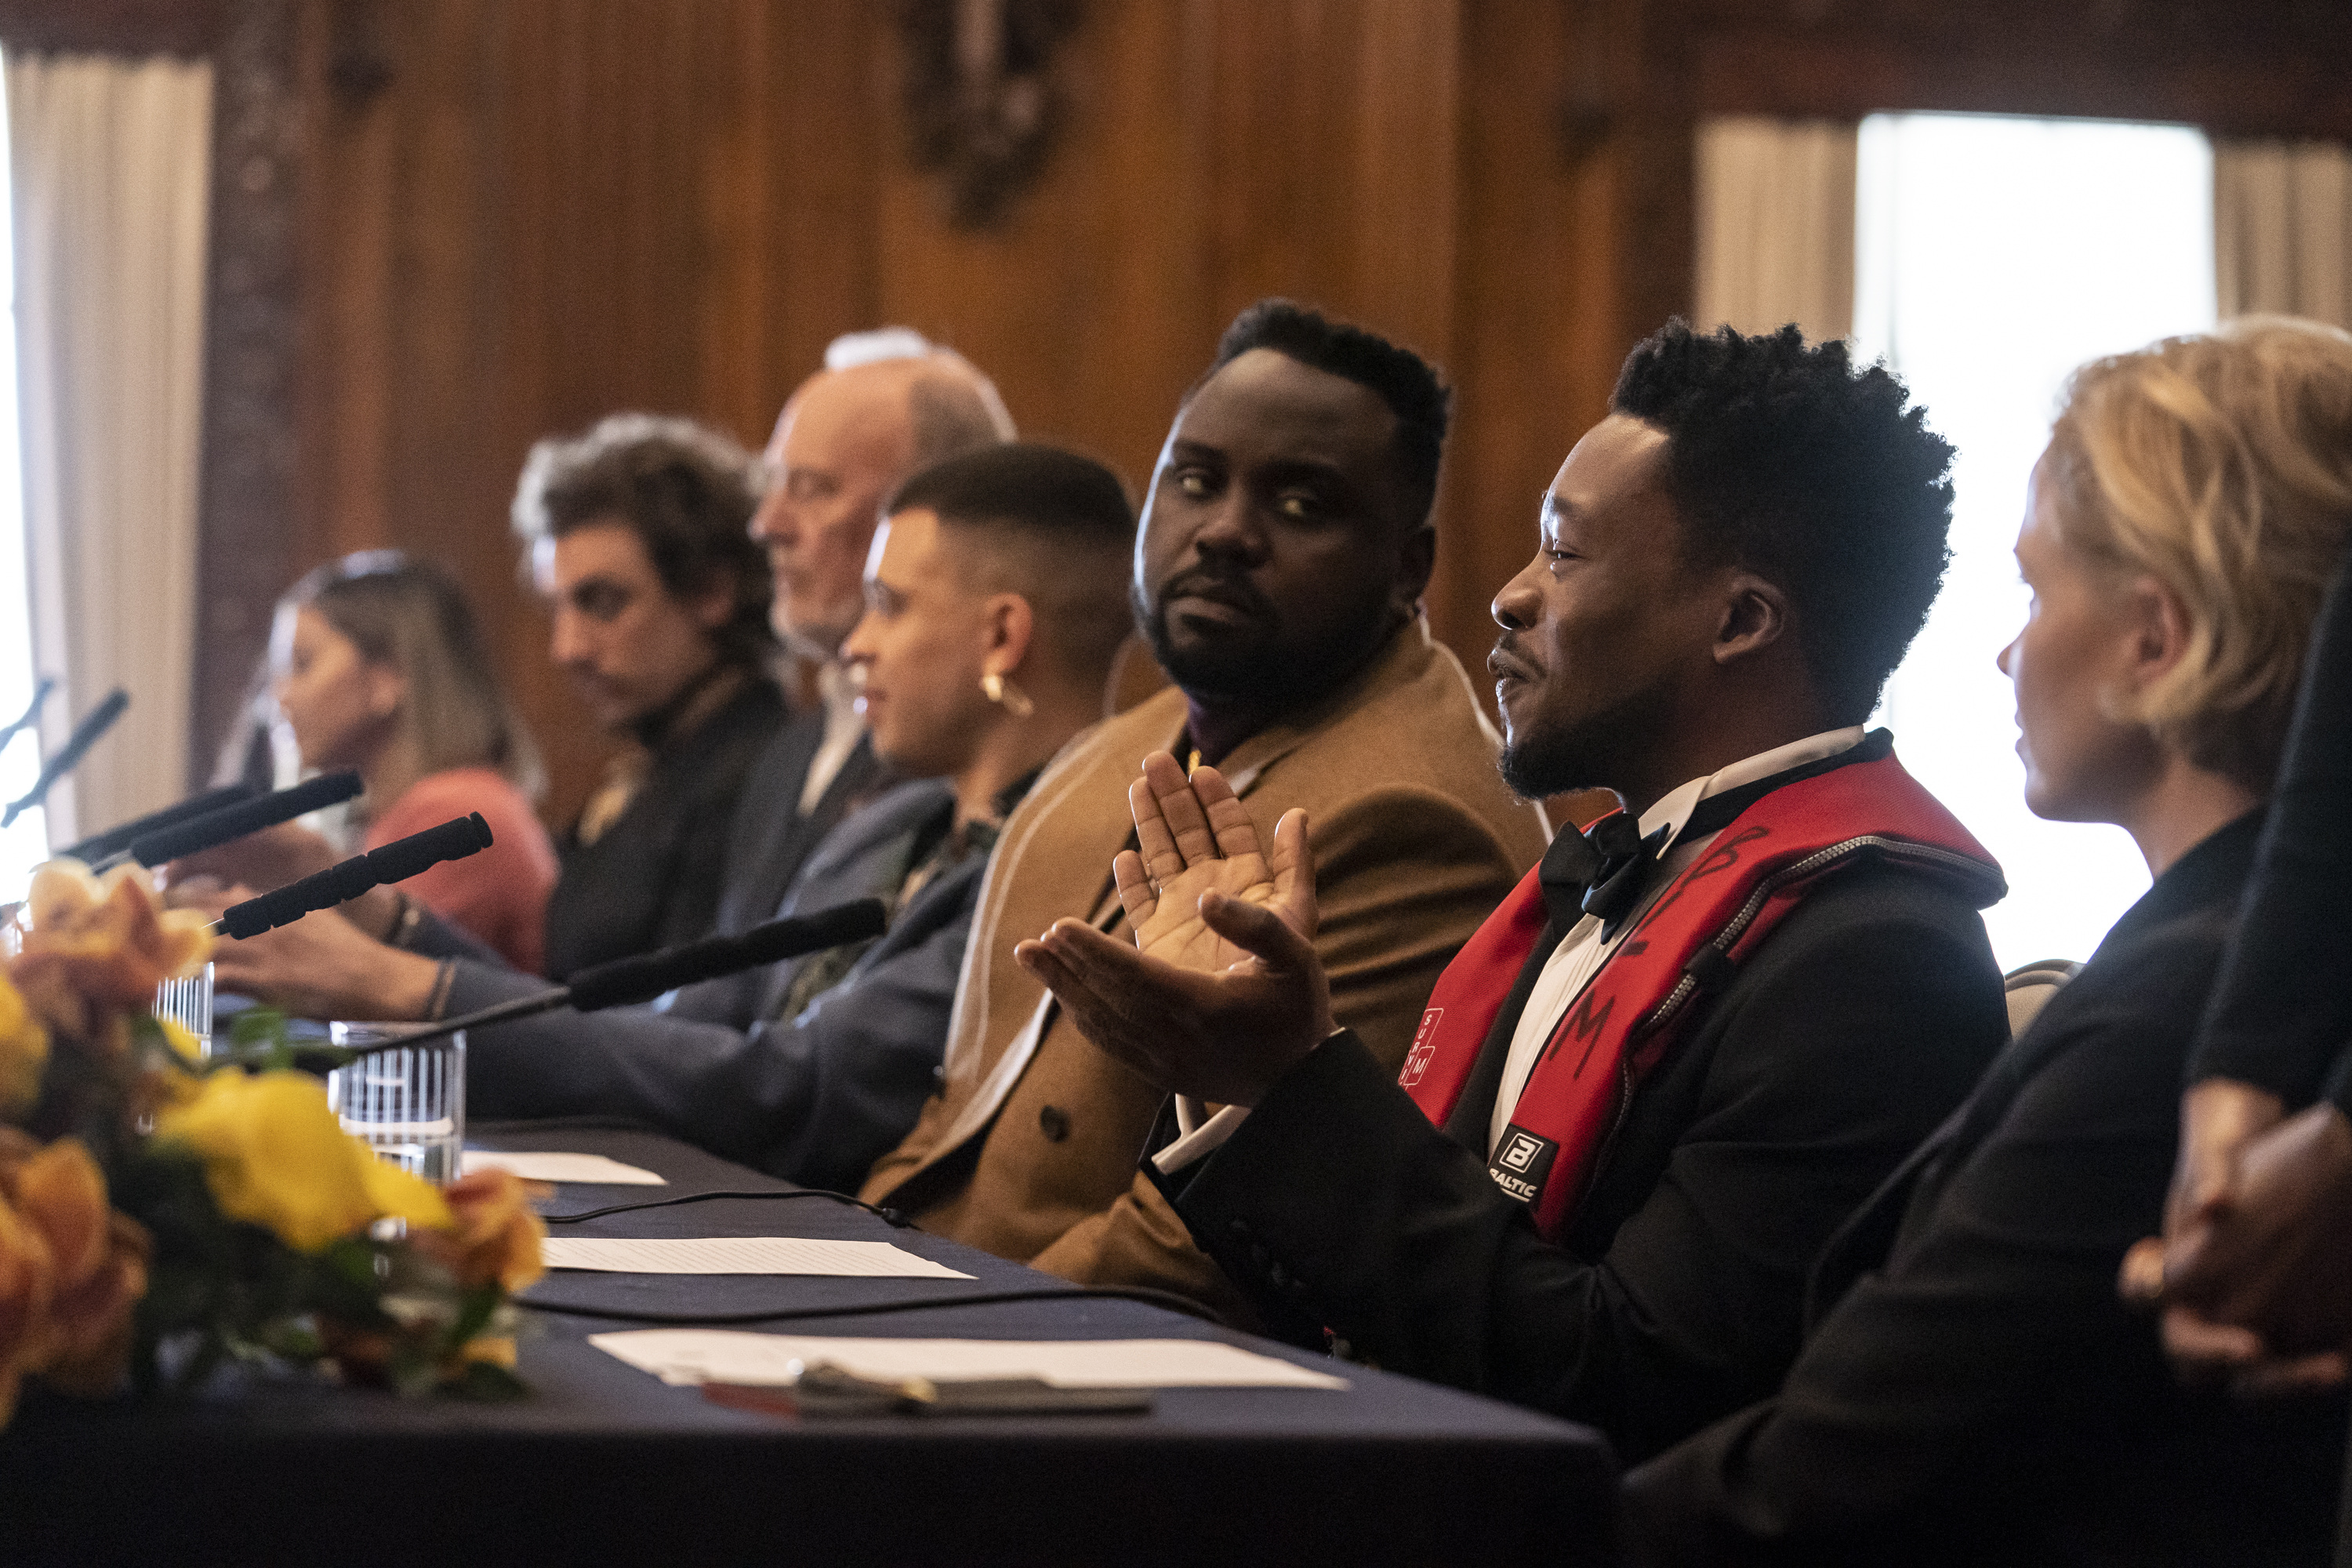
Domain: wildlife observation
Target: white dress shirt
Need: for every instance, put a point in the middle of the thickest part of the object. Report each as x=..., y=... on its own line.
x=1582, y=953
x=842, y=727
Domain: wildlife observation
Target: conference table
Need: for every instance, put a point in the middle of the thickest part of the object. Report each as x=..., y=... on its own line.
x=605, y=1463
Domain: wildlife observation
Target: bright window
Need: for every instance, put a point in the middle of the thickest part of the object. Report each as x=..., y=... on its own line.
x=25, y=842
x=1995, y=255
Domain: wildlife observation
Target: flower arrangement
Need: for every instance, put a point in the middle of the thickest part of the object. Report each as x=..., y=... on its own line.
x=162, y=1214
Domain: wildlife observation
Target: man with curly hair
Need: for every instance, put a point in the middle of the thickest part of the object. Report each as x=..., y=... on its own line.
x=633, y=532
x=1697, y=1035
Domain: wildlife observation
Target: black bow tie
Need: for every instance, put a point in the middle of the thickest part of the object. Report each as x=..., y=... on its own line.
x=1600, y=872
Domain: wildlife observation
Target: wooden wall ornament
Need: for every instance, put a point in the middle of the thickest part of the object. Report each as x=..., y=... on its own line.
x=981, y=102
x=246, y=523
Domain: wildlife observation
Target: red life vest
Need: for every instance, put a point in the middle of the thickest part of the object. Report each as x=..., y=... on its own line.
x=1693, y=937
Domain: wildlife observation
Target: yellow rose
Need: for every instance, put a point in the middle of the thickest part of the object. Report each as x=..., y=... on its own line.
x=400, y=1194
x=274, y=1157
x=23, y=1052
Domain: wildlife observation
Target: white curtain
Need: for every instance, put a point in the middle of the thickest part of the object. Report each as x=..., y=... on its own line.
x=111, y=165
x=1776, y=225
x=2283, y=229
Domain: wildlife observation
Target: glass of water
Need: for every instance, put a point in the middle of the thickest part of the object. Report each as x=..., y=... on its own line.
x=407, y=1103
x=189, y=1004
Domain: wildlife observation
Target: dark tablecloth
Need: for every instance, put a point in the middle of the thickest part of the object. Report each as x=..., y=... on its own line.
x=604, y=1463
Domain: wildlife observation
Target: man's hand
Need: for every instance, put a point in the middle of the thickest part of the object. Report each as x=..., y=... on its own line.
x=322, y=966
x=1222, y=990
x=2252, y=1274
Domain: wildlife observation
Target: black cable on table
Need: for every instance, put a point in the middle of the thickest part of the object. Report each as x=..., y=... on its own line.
x=1142, y=1294
x=892, y=1217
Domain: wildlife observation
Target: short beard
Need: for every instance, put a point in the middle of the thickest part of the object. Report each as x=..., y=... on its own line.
x=1583, y=756
x=1251, y=678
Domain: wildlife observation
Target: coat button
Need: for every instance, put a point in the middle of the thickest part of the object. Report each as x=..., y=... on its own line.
x=1054, y=1122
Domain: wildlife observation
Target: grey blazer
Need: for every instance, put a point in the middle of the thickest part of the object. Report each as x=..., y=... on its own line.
x=814, y=1099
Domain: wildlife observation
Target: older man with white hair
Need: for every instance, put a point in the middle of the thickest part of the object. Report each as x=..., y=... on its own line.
x=887, y=402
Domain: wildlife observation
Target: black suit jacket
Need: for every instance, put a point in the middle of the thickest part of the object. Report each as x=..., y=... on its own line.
x=770, y=837
x=1677, y=1297
x=2281, y=1014
x=652, y=878
x=1973, y=1392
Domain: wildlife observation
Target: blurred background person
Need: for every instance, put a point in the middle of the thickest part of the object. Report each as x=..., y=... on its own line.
x=996, y=604
x=381, y=669
x=887, y=402
x=634, y=534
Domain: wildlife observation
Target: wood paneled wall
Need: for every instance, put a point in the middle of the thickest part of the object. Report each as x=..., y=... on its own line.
x=519, y=215
x=516, y=215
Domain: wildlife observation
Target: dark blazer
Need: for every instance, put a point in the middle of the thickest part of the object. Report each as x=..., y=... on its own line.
x=769, y=837
x=652, y=879
x=2281, y=1014
x=1676, y=1295
x=814, y=1098
x=1972, y=1391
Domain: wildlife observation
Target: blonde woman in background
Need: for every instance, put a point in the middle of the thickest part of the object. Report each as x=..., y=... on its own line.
x=380, y=667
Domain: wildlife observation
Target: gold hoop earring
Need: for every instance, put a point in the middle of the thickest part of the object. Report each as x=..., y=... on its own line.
x=1006, y=695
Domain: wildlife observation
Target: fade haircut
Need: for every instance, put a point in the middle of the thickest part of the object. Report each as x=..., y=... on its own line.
x=687, y=491
x=1821, y=478
x=1407, y=383
x=1055, y=527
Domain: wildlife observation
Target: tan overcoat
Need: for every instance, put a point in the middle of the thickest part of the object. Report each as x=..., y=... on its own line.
x=1030, y=1148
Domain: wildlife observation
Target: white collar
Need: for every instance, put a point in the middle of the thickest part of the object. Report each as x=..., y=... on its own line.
x=838, y=692
x=1674, y=809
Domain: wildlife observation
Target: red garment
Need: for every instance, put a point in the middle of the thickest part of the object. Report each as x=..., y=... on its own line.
x=499, y=894
x=1690, y=941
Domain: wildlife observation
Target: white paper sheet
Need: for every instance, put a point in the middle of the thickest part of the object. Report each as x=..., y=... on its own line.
x=546, y=1167
x=741, y=1255
x=690, y=1356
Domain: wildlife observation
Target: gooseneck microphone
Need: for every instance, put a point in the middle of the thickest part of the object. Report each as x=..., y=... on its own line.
x=643, y=978
x=117, y=839
x=94, y=723
x=25, y=720
x=395, y=862
x=217, y=827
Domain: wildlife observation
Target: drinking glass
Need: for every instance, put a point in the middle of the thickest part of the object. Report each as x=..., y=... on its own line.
x=189, y=1004
x=407, y=1103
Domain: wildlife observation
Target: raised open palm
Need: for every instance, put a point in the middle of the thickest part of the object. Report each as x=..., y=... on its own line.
x=1214, y=1003
x=1197, y=837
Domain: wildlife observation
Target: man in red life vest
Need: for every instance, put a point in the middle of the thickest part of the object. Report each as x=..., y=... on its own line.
x=1693, y=1038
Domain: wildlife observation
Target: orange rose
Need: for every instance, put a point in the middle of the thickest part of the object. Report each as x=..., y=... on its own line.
x=497, y=1235
x=90, y=948
x=71, y=1270
x=100, y=1262
x=27, y=1281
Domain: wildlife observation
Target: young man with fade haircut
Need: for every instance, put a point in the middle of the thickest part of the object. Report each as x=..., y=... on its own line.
x=1284, y=546
x=887, y=402
x=995, y=605
x=1699, y=1034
